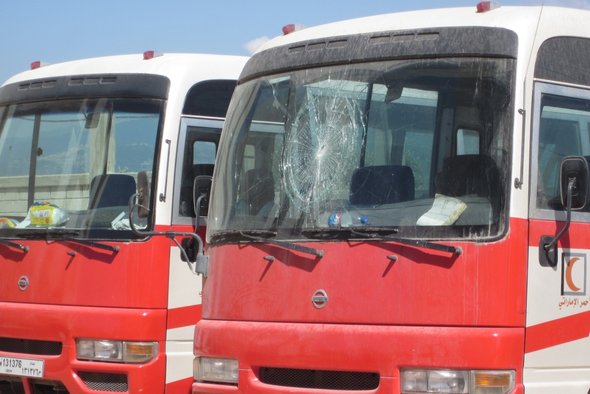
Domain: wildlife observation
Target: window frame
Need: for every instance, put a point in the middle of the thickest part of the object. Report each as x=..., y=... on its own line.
x=541, y=89
x=185, y=124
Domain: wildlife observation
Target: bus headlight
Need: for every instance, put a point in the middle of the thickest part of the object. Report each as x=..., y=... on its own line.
x=215, y=370
x=115, y=351
x=456, y=381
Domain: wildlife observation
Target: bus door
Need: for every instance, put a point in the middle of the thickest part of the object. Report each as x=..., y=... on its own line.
x=558, y=309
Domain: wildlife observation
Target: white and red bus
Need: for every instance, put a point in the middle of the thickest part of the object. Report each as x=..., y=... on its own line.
x=402, y=208
x=88, y=303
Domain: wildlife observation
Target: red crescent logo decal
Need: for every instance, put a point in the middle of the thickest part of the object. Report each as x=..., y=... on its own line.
x=568, y=274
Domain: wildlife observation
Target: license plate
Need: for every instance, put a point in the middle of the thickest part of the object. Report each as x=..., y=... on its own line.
x=21, y=367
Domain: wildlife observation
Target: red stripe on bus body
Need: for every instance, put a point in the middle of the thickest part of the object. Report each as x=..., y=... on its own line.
x=185, y=316
x=557, y=332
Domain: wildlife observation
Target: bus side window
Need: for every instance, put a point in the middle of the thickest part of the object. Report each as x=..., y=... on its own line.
x=208, y=99
x=200, y=150
x=563, y=120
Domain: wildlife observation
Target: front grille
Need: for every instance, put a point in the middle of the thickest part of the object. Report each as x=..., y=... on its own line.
x=11, y=386
x=15, y=386
x=317, y=379
x=47, y=387
x=30, y=346
x=105, y=381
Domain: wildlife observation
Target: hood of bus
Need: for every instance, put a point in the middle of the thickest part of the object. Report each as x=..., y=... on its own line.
x=70, y=273
x=370, y=283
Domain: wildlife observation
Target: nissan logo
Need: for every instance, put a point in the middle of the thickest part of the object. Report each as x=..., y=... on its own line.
x=23, y=283
x=319, y=299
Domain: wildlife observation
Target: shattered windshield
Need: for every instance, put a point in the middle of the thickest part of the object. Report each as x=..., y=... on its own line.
x=74, y=164
x=420, y=147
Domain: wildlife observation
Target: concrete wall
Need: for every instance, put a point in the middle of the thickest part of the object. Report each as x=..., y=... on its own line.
x=13, y=193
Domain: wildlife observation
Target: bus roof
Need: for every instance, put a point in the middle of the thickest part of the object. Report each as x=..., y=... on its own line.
x=190, y=68
x=526, y=21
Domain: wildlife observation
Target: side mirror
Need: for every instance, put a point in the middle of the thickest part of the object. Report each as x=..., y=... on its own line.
x=574, y=168
x=201, y=190
x=573, y=184
x=190, y=250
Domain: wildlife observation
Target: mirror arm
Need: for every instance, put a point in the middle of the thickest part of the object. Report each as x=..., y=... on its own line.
x=568, y=219
x=198, y=210
x=548, y=254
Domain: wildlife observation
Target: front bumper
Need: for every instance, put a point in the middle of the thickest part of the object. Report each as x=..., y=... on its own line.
x=290, y=351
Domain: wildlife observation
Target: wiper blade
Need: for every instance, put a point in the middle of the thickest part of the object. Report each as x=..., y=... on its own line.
x=48, y=234
x=65, y=235
x=371, y=233
x=381, y=233
x=255, y=235
x=94, y=244
x=232, y=235
x=266, y=236
x=14, y=245
x=346, y=232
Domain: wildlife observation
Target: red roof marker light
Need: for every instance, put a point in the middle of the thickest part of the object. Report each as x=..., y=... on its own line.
x=288, y=29
x=37, y=64
x=485, y=6
x=147, y=55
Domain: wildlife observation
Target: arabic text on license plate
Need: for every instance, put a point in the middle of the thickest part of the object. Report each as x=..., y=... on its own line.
x=21, y=367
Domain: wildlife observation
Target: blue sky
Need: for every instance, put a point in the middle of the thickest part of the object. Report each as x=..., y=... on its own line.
x=60, y=30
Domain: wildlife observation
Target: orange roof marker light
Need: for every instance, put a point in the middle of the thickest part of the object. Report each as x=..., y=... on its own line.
x=485, y=6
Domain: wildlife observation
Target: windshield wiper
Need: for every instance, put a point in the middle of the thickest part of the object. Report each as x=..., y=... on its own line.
x=345, y=232
x=14, y=245
x=48, y=234
x=64, y=235
x=266, y=236
x=378, y=233
x=93, y=244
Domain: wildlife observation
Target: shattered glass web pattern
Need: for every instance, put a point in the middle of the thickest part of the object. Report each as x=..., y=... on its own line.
x=321, y=150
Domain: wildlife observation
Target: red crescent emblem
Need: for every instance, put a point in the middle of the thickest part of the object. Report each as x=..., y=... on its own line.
x=568, y=275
